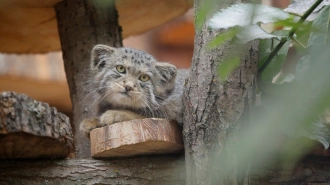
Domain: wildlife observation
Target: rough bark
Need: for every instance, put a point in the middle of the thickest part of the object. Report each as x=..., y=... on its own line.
x=32, y=129
x=151, y=170
x=140, y=171
x=82, y=25
x=214, y=108
x=136, y=137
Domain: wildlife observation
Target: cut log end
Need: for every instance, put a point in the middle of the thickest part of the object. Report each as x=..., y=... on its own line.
x=136, y=137
x=23, y=145
x=32, y=129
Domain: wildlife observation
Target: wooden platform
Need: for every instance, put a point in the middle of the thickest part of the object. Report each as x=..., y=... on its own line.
x=136, y=137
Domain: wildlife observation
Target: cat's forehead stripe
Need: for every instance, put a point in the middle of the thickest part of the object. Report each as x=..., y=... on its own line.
x=136, y=56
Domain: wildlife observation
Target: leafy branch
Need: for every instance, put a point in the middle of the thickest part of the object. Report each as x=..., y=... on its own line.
x=291, y=35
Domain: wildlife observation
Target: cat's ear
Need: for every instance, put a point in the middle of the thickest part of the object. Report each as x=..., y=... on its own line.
x=167, y=71
x=99, y=55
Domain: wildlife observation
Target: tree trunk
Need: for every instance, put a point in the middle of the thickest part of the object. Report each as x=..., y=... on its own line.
x=81, y=25
x=214, y=108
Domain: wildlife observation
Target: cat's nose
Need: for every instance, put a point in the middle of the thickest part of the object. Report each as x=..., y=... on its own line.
x=128, y=88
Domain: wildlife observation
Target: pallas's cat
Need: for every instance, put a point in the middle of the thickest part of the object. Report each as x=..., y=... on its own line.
x=133, y=85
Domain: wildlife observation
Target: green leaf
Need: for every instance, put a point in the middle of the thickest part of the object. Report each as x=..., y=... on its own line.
x=320, y=38
x=201, y=14
x=301, y=6
x=318, y=42
x=246, y=14
x=243, y=35
x=252, y=32
x=227, y=67
x=222, y=38
x=303, y=28
x=297, y=104
x=299, y=126
x=265, y=48
x=303, y=32
x=289, y=22
x=302, y=67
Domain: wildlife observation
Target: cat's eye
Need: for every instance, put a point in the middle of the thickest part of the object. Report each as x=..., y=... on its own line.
x=121, y=69
x=144, y=78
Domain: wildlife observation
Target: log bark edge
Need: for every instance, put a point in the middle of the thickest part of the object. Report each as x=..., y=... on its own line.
x=32, y=129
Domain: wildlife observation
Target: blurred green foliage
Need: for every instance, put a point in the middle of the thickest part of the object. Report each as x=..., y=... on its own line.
x=290, y=121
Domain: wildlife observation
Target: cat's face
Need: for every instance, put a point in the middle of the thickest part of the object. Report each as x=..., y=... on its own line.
x=131, y=78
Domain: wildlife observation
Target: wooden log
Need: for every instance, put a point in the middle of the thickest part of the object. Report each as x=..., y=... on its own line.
x=136, y=137
x=155, y=170
x=32, y=129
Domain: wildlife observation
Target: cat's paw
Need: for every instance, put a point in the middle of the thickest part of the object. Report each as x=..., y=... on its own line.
x=111, y=117
x=88, y=124
x=115, y=116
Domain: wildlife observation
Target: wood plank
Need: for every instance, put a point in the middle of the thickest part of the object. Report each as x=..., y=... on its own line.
x=136, y=137
x=19, y=19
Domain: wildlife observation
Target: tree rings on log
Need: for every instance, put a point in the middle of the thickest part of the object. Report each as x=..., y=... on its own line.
x=136, y=137
x=32, y=129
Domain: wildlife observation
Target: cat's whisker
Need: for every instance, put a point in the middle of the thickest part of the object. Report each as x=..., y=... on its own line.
x=96, y=96
x=95, y=92
x=160, y=110
x=90, y=93
x=102, y=95
x=120, y=86
x=148, y=106
x=155, y=109
x=97, y=99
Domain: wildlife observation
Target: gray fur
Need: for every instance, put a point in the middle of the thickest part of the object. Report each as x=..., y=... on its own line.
x=160, y=96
